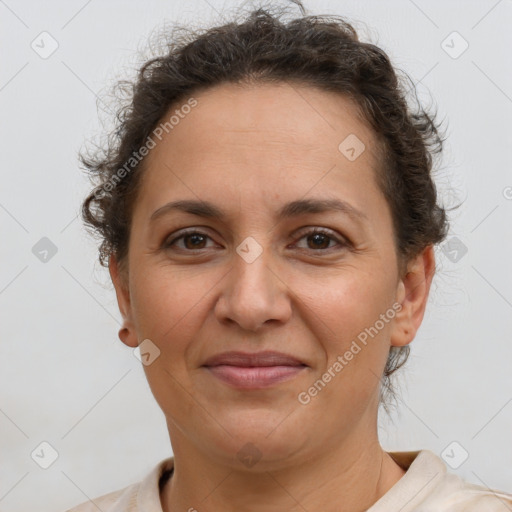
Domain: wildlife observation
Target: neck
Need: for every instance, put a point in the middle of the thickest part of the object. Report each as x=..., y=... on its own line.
x=350, y=478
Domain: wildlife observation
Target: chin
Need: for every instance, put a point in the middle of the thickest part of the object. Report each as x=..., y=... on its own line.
x=270, y=432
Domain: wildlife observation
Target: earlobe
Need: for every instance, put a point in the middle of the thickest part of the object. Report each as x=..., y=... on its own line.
x=412, y=293
x=127, y=334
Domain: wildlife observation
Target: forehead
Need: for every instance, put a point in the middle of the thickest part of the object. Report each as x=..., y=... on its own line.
x=266, y=138
x=281, y=112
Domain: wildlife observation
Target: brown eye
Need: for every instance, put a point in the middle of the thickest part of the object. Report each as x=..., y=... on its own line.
x=319, y=240
x=196, y=241
x=192, y=240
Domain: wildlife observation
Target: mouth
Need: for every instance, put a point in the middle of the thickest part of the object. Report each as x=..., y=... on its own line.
x=254, y=371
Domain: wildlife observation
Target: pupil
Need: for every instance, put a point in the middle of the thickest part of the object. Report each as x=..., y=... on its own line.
x=316, y=238
x=195, y=237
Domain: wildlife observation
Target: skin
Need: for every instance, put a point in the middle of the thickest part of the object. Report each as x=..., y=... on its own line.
x=249, y=150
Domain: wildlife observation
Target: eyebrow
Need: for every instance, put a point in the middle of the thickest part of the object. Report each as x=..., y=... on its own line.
x=289, y=210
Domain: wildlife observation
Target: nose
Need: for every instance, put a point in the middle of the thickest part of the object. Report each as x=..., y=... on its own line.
x=253, y=295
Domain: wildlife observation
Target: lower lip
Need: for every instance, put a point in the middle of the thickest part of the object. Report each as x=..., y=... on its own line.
x=256, y=377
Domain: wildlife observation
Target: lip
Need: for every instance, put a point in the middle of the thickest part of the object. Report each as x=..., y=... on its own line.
x=254, y=370
x=248, y=359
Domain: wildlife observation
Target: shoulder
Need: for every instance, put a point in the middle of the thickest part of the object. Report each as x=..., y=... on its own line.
x=457, y=495
x=428, y=486
x=140, y=496
x=122, y=500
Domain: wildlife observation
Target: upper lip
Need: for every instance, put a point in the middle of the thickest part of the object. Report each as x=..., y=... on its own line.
x=266, y=358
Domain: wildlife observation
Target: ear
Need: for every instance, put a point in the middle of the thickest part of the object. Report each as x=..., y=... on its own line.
x=412, y=293
x=119, y=278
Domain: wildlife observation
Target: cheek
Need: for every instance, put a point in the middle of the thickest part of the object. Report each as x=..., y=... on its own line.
x=344, y=315
x=346, y=306
x=172, y=308
x=354, y=339
x=167, y=309
x=168, y=312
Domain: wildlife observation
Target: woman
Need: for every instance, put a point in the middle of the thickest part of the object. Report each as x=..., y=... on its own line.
x=269, y=219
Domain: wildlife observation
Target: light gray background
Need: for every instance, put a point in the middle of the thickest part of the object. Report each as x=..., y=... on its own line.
x=66, y=379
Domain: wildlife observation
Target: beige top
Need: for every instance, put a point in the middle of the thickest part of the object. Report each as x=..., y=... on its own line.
x=425, y=487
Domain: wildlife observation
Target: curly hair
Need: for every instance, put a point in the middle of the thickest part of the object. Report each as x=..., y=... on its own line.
x=323, y=51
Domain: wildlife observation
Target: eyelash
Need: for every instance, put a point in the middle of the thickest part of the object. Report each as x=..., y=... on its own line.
x=315, y=231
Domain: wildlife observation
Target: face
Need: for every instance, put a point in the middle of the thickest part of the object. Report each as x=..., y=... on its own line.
x=249, y=274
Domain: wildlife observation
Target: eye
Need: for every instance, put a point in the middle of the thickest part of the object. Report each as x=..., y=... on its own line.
x=320, y=239
x=192, y=239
